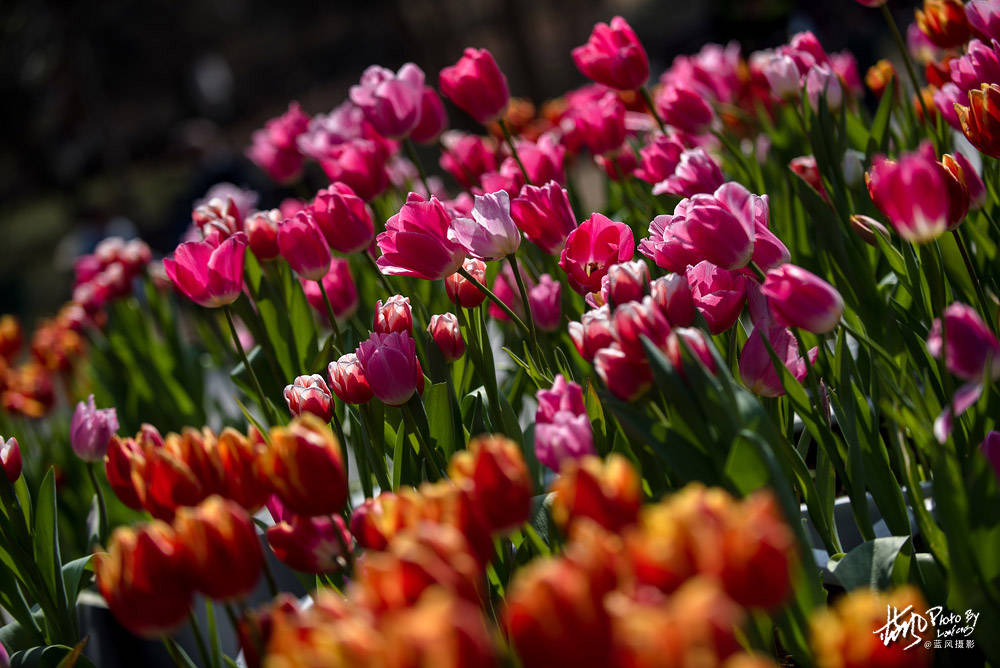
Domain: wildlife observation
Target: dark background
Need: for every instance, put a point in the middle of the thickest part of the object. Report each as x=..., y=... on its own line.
x=118, y=115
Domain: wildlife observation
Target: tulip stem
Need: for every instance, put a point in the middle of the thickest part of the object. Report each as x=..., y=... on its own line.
x=246, y=363
x=496, y=300
x=758, y=272
x=963, y=249
x=333, y=318
x=199, y=640
x=512, y=259
x=102, y=507
x=413, y=408
x=652, y=108
x=513, y=149
x=382, y=278
x=411, y=151
x=272, y=585
x=908, y=62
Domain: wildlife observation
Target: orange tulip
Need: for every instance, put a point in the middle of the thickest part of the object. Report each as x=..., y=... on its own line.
x=981, y=119
x=500, y=479
x=305, y=467
x=607, y=492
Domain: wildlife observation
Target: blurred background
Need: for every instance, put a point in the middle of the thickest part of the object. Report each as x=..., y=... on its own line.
x=119, y=115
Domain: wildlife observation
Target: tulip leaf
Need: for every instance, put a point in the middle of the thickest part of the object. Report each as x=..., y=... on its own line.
x=53, y=656
x=437, y=403
x=879, y=138
x=869, y=564
x=46, y=539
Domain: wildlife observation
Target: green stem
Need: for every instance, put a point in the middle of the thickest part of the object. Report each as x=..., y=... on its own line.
x=513, y=149
x=963, y=249
x=758, y=272
x=199, y=640
x=333, y=318
x=908, y=62
x=411, y=151
x=246, y=363
x=419, y=429
x=652, y=108
x=512, y=259
x=496, y=300
x=382, y=278
x=102, y=507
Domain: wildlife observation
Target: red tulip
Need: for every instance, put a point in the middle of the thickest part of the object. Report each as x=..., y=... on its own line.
x=593, y=332
x=463, y=292
x=221, y=552
x=10, y=458
x=305, y=467
x=476, y=85
x=944, y=22
x=343, y=218
x=447, y=336
x=347, y=380
x=262, y=232
x=625, y=376
x=309, y=394
x=393, y=316
x=592, y=248
x=310, y=544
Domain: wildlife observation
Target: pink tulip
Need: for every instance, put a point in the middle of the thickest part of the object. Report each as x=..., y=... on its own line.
x=659, y=159
x=613, y=56
x=10, y=459
x=684, y=109
x=990, y=447
x=467, y=157
x=627, y=282
x=359, y=163
x=343, y=218
x=783, y=76
x=807, y=51
x=714, y=72
x=274, y=148
x=592, y=333
x=757, y=369
x=447, y=335
x=302, y=245
x=592, y=248
x=805, y=168
x=340, y=288
x=433, y=118
x=602, y=124
x=822, y=83
x=696, y=172
x=348, y=381
x=208, y=275
x=505, y=288
x=415, y=242
x=508, y=178
x=695, y=342
x=971, y=351
x=618, y=163
x=463, y=292
x=393, y=316
x=543, y=160
x=390, y=102
x=476, y=85
x=672, y=295
x=564, y=396
x=971, y=179
x=718, y=294
x=310, y=394
x=625, y=376
x=634, y=320
x=262, y=232
x=798, y=298
x=913, y=194
x=545, y=300
x=562, y=428
x=544, y=215
x=490, y=234
x=390, y=365
x=91, y=429
x=984, y=18
x=308, y=544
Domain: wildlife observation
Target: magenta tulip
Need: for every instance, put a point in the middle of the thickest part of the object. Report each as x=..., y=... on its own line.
x=262, y=233
x=684, y=109
x=302, y=245
x=447, y=336
x=798, y=298
x=208, y=275
x=359, y=163
x=390, y=101
x=635, y=320
x=545, y=299
x=757, y=370
x=476, y=85
x=672, y=295
x=602, y=124
x=593, y=332
x=613, y=56
x=390, y=365
x=348, y=381
x=562, y=428
x=91, y=429
x=415, y=242
x=343, y=218
x=990, y=447
x=971, y=351
x=625, y=376
x=545, y=216
x=718, y=294
x=627, y=282
x=984, y=18
x=433, y=118
x=592, y=248
x=340, y=289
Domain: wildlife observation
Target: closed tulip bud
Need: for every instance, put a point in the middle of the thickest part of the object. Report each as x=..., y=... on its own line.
x=990, y=447
x=500, y=480
x=983, y=17
x=634, y=320
x=390, y=101
x=608, y=492
x=696, y=172
x=91, y=429
x=347, y=380
x=914, y=195
x=868, y=229
x=592, y=248
x=433, y=118
x=123, y=457
x=143, y=579
x=390, y=364
x=544, y=215
x=971, y=351
x=696, y=345
x=262, y=232
x=310, y=394
x=462, y=291
x=625, y=377
x=593, y=332
x=798, y=298
x=208, y=275
x=782, y=76
x=343, y=218
x=490, y=234
x=340, y=289
x=806, y=169
x=447, y=335
x=613, y=56
x=980, y=120
x=305, y=467
x=221, y=553
x=10, y=458
x=242, y=463
x=467, y=157
x=879, y=75
x=944, y=22
x=416, y=241
x=757, y=370
x=628, y=282
x=823, y=84
x=542, y=159
x=303, y=246
x=476, y=85
x=718, y=294
x=684, y=109
x=360, y=164
x=672, y=295
x=311, y=544
x=393, y=316
x=545, y=299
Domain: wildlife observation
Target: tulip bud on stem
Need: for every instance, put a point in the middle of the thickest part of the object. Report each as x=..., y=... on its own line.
x=246, y=363
x=102, y=507
x=513, y=149
x=411, y=151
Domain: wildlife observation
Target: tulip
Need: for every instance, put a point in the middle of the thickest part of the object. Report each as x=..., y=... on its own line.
x=783, y=76
x=132, y=574
x=360, y=164
x=347, y=380
x=634, y=320
x=303, y=246
x=543, y=160
x=971, y=351
x=613, y=56
x=10, y=459
x=627, y=282
x=696, y=345
x=310, y=544
x=490, y=234
x=123, y=457
x=262, y=233
x=718, y=294
x=343, y=218
x=805, y=168
x=10, y=336
x=416, y=241
x=566, y=437
x=281, y=164
x=208, y=275
x=496, y=468
x=822, y=83
x=684, y=109
x=390, y=102
x=980, y=120
x=602, y=124
x=476, y=85
x=545, y=300
x=879, y=75
x=871, y=3
x=462, y=291
x=944, y=22
x=990, y=447
x=659, y=159
x=433, y=118
x=624, y=376
x=544, y=215
x=798, y=298
x=240, y=461
x=673, y=297
x=393, y=316
x=592, y=248
x=593, y=332
x=340, y=289
x=305, y=467
x=966, y=174
x=309, y=394
x=467, y=157
x=867, y=228
x=447, y=336
x=983, y=17
x=91, y=429
x=757, y=370
x=221, y=551
x=390, y=365
x=564, y=395
x=696, y=172
x=913, y=194
x=608, y=492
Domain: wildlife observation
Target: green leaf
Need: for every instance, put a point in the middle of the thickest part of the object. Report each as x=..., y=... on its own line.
x=437, y=403
x=72, y=575
x=53, y=656
x=869, y=564
x=46, y=539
